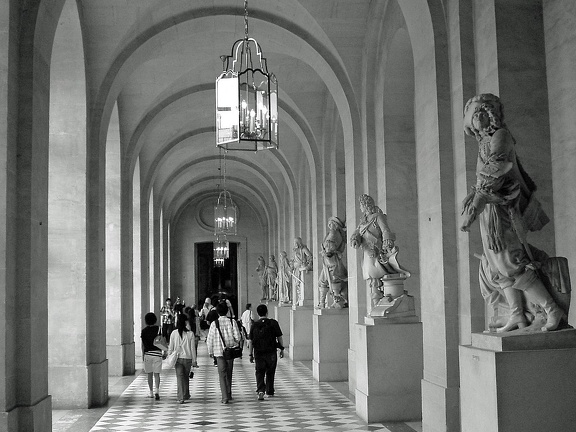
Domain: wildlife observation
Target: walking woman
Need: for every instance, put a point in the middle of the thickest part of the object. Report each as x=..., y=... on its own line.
x=151, y=355
x=182, y=341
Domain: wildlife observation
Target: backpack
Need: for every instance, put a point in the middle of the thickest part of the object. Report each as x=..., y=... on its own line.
x=263, y=337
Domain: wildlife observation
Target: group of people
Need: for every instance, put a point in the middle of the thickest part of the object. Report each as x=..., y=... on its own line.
x=181, y=328
x=181, y=340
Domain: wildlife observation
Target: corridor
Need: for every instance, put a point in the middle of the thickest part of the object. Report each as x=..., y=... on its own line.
x=300, y=404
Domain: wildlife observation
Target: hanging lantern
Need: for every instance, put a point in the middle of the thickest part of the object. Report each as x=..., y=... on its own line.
x=225, y=214
x=221, y=250
x=246, y=98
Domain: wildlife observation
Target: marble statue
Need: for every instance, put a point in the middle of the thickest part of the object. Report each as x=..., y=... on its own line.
x=334, y=276
x=301, y=265
x=380, y=268
x=272, y=276
x=263, y=277
x=512, y=272
x=284, y=279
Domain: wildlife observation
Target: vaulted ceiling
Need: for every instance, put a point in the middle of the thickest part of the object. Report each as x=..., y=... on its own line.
x=159, y=59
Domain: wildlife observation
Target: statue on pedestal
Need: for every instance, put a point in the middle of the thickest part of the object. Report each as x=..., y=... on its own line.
x=272, y=276
x=334, y=275
x=284, y=279
x=301, y=264
x=263, y=277
x=380, y=268
x=523, y=286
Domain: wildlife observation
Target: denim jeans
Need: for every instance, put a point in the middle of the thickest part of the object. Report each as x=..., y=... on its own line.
x=183, y=366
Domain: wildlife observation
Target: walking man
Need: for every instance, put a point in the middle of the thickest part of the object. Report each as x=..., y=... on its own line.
x=265, y=338
x=223, y=332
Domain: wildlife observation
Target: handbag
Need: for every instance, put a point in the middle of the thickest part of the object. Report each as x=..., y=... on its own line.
x=170, y=361
x=229, y=353
x=160, y=341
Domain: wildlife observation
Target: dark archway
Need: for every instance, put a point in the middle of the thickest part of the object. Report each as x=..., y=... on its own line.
x=214, y=282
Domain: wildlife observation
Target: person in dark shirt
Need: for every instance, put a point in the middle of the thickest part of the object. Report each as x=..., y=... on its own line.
x=264, y=340
x=151, y=355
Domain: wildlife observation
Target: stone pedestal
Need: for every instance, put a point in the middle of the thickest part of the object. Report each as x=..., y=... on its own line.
x=389, y=370
x=271, y=304
x=301, y=332
x=331, y=340
x=282, y=315
x=306, y=295
x=522, y=382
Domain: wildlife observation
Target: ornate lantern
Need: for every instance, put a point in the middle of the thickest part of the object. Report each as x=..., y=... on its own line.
x=221, y=250
x=225, y=214
x=246, y=98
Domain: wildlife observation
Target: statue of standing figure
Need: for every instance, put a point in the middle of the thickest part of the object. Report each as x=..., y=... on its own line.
x=334, y=275
x=284, y=279
x=380, y=268
x=272, y=276
x=263, y=277
x=520, y=283
x=301, y=265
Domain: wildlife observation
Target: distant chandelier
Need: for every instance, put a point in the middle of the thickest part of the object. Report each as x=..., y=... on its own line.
x=225, y=213
x=246, y=98
x=221, y=250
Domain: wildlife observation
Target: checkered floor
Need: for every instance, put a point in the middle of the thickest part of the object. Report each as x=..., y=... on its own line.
x=300, y=404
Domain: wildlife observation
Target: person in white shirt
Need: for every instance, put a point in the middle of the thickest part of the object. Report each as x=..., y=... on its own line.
x=232, y=337
x=247, y=318
x=182, y=340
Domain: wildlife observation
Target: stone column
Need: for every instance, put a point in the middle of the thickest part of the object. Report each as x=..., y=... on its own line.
x=559, y=25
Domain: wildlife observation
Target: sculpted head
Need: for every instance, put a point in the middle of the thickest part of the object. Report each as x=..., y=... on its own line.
x=334, y=223
x=367, y=203
x=261, y=259
x=272, y=258
x=483, y=113
x=297, y=242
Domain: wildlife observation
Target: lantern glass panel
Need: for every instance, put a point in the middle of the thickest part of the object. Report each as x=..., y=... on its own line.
x=226, y=109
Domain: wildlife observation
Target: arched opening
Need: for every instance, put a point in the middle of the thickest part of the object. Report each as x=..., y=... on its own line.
x=399, y=155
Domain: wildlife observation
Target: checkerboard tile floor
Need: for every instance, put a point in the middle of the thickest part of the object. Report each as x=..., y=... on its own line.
x=300, y=404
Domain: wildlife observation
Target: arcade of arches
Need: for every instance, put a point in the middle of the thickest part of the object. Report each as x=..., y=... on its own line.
x=109, y=171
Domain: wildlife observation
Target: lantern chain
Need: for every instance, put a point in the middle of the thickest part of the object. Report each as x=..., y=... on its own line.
x=246, y=19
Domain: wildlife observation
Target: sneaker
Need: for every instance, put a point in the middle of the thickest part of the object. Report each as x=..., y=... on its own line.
x=151, y=395
x=156, y=396
x=224, y=401
x=270, y=395
x=180, y=401
x=260, y=395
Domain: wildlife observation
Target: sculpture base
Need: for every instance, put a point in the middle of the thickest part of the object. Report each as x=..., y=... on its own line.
x=300, y=332
x=389, y=365
x=282, y=315
x=402, y=306
x=518, y=383
x=331, y=341
x=270, y=303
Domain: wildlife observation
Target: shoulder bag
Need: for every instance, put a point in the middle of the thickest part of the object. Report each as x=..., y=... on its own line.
x=229, y=353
